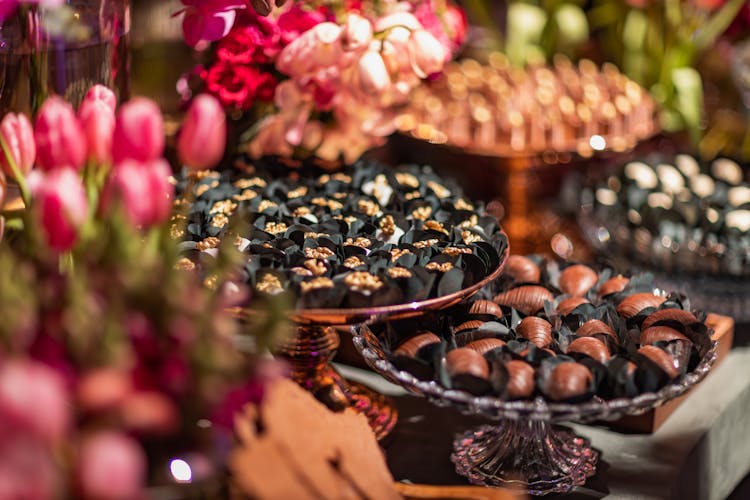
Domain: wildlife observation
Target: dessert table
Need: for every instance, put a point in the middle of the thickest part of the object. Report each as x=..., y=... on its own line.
x=701, y=451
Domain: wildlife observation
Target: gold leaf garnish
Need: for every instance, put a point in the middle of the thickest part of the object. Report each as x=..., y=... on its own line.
x=317, y=267
x=210, y=242
x=224, y=207
x=399, y=272
x=341, y=177
x=439, y=190
x=388, y=225
x=301, y=211
x=266, y=204
x=297, y=193
x=318, y=253
x=275, y=227
x=353, y=262
x=422, y=213
x=248, y=183
x=203, y=174
x=434, y=225
x=413, y=195
x=245, y=195
x=470, y=237
x=301, y=271
x=220, y=220
x=396, y=253
x=184, y=264
x=426, y=243
x=359, y=242
x=454, y=251
x=362, y=281
x=368, y=207
x=462, y=204
x=316, y=284
x=270, y=284
x=442, y=267
x=470, y=222
x=407, y=179
x=211, y=282
x=314, y=236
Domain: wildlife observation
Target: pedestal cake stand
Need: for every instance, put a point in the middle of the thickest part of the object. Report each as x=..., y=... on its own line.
x=524, y=450
x=311, y=349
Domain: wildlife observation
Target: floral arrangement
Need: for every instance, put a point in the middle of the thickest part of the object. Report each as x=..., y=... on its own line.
x=320, y=78
x=119, y=367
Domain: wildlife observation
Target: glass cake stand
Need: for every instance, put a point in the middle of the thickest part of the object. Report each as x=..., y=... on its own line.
x=524, y=450
x=311, y=349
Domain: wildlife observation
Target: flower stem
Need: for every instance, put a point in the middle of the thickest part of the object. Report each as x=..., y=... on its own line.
x=17, y=175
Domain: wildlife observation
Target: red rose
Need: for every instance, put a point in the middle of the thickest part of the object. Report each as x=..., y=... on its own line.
x=239, y=86
x=256, y=41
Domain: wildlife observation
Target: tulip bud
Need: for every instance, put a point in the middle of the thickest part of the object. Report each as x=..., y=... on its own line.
x=111, y=466
x=357, y=33
x=33, y=398
x=60, y=141
x=100, y=93
x=98, y=122
x=142, y=190
x=18, y=136
x=139, y=132
x=426, y=53
x=204, y=134
x=373, y=75
x=59, y=200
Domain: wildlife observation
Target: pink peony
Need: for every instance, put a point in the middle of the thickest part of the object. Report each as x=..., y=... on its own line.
x=111, y=466
x=18, y=136
x=60, y=141
x=59, y=201
x=33, y=398
x=203, y=137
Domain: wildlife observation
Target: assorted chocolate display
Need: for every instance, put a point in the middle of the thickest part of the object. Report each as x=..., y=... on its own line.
x=499, y=109
x=369, y=235
x=676, y=214
x=565, y=332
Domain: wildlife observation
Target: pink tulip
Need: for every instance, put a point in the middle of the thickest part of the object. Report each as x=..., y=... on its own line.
x=59, y=200
x=111, y=466
x=60, y=141
x=357, y=33
x=204, y=134
x=33, y=398
x=142, y=190
x=18, y=135
x=27, y=468
x=426, y=53
x=373, y=75
x=98, y=122
x=100, y=93
x=139, y=132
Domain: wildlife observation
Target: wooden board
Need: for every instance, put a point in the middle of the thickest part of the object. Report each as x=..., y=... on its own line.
x=651, y=420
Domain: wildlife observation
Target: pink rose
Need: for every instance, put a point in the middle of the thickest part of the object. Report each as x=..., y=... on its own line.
x=111, y=466
x=18, y=136
x=203, y=136
x=33, y=398
x=59, y=201
x=60, y=141
x=139, y=132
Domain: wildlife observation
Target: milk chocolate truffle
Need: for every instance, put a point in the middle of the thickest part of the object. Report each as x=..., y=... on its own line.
x=568, y=380
x=594, y=327
x=656, y=334
x=483, y=346
x=465, y=361
x=412, y=346
x=522, y=269
x=528, y=299
x=591, y=347
x=486, y=308
x=567, y=306
x=537, y=330
x=633, y=304
x=578, y=279
x=661, y=358
x=669, y=315
x=614, y=285
x=520, y=379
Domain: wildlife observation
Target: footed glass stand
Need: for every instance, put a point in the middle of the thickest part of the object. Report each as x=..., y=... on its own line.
x=524, y=451
x=552, y=458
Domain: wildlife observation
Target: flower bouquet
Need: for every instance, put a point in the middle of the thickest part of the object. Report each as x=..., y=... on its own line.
x=119, y=367
x=321, y=78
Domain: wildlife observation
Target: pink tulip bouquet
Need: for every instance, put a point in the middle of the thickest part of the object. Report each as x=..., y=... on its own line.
x=319, y=78
x=118, y=359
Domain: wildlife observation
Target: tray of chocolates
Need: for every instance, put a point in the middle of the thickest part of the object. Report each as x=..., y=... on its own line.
x=552, y=341
x=674, y=213
x=496, y=109
x=365, y=238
